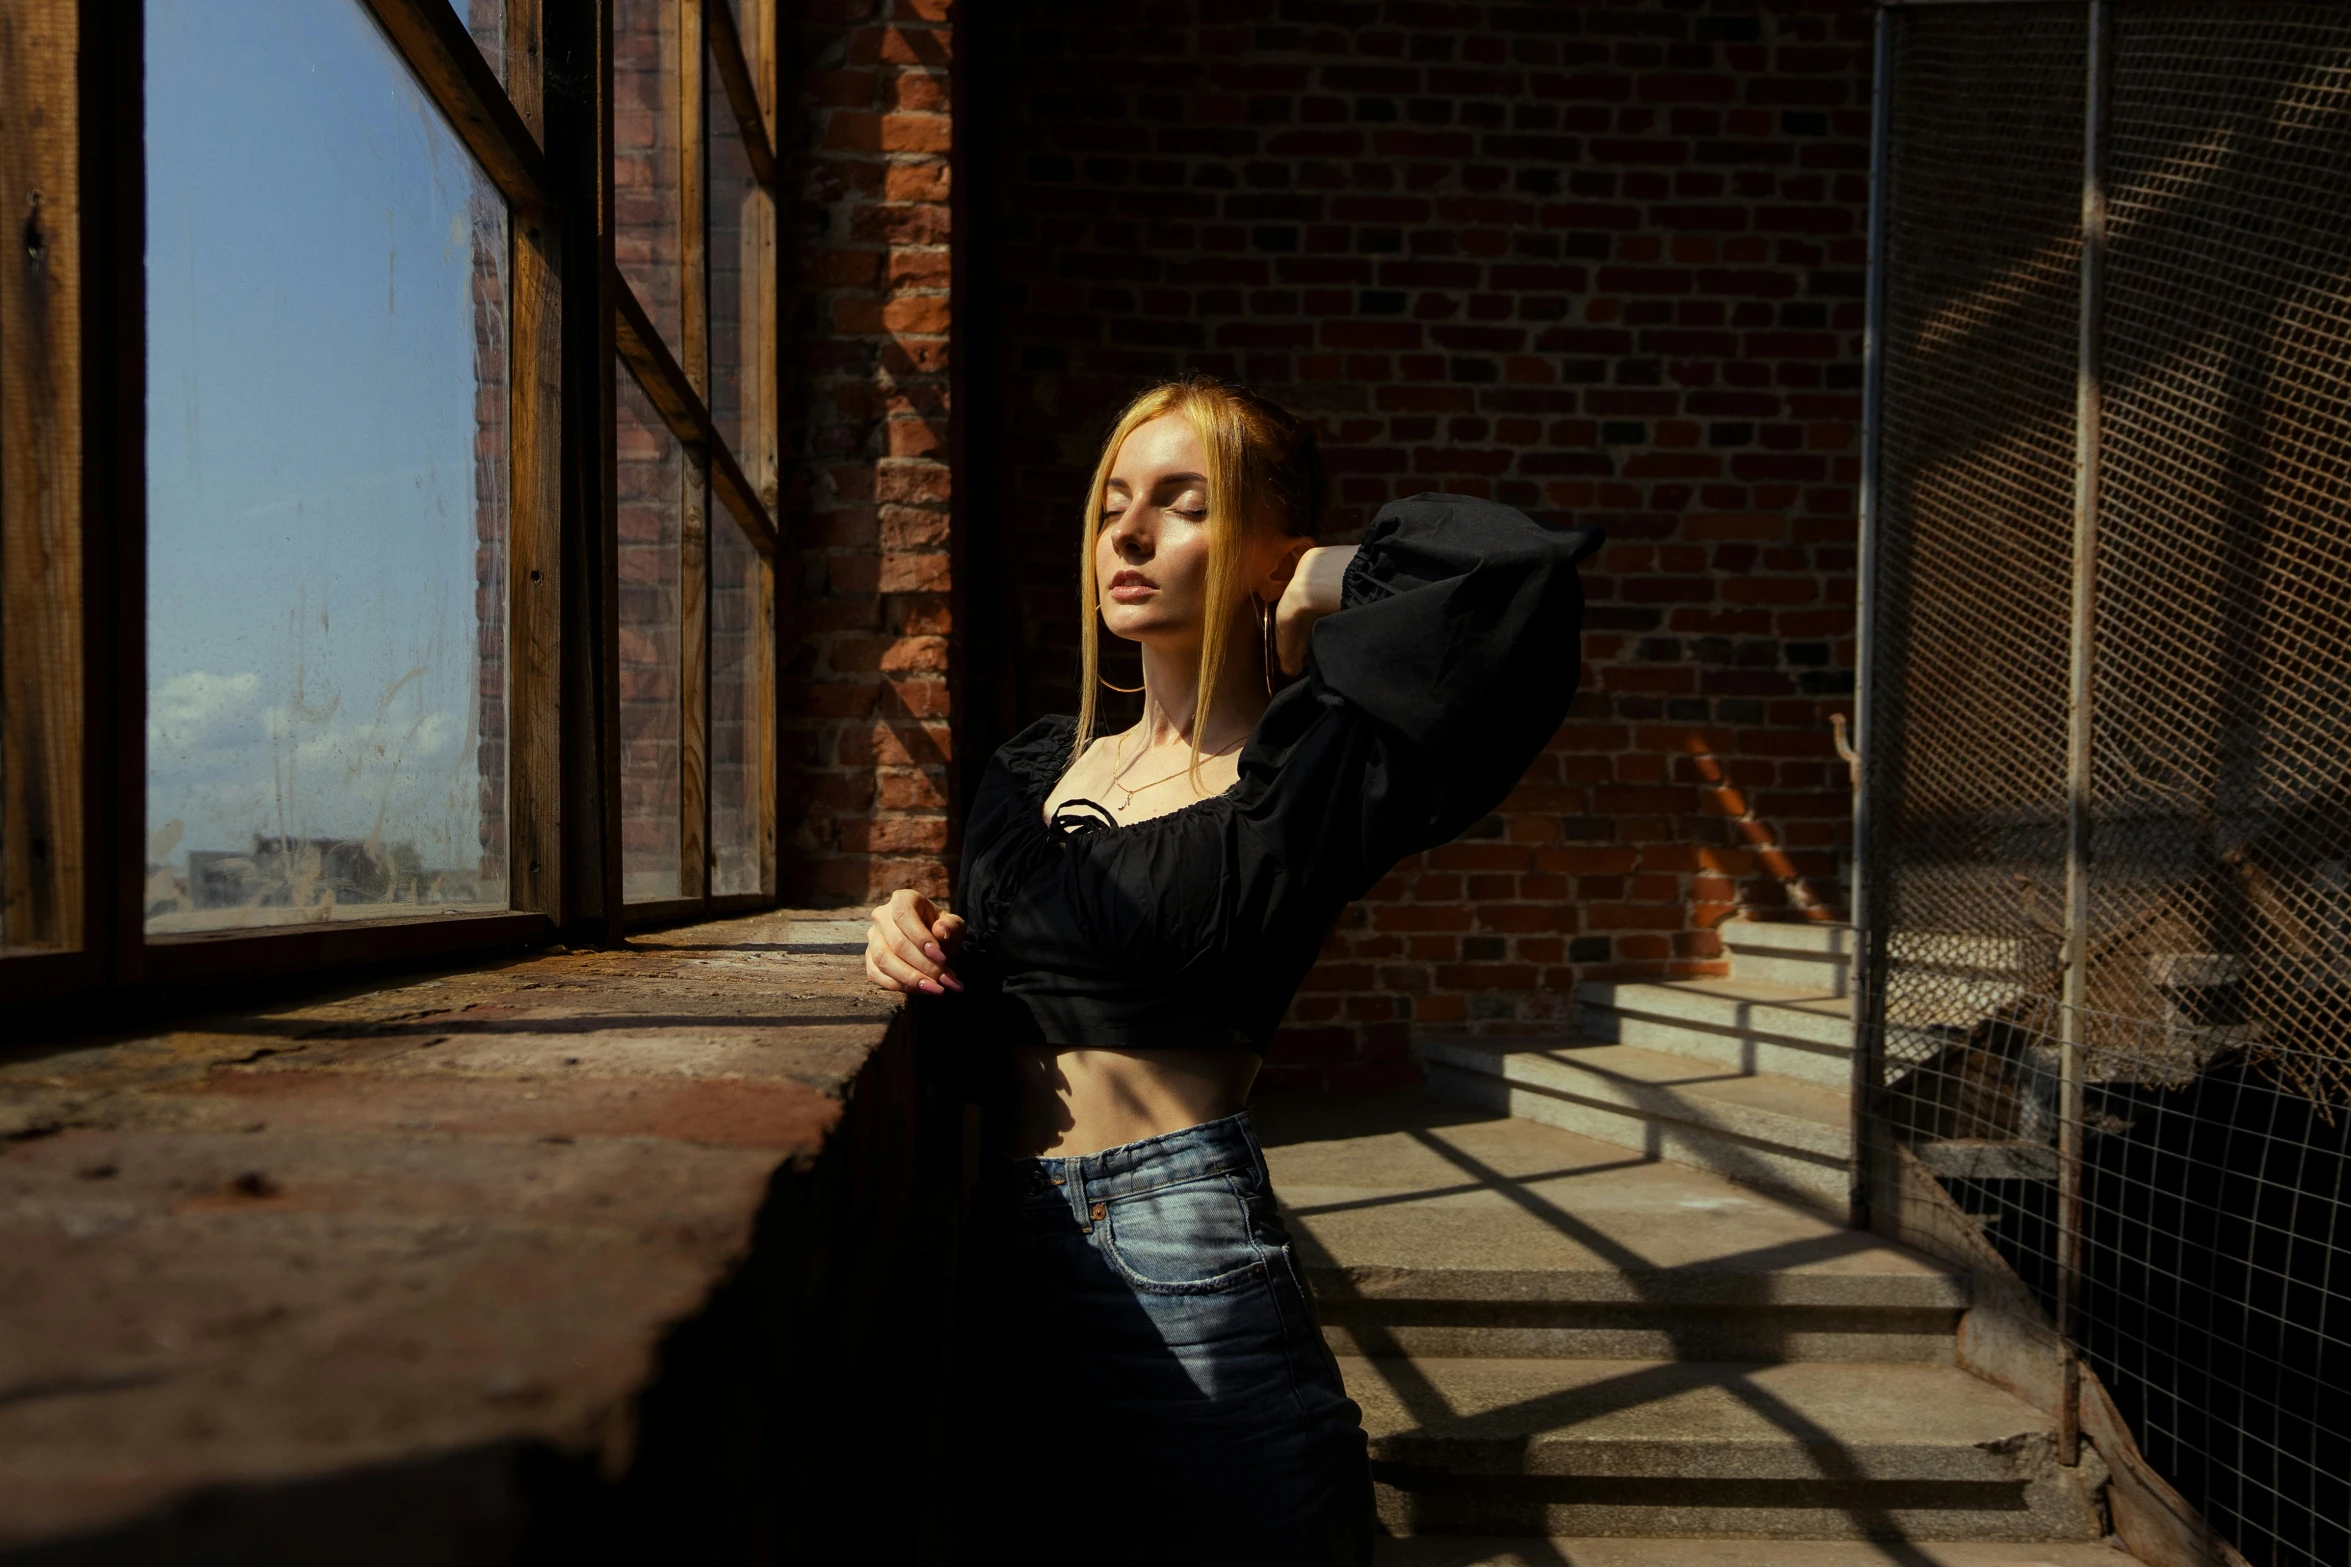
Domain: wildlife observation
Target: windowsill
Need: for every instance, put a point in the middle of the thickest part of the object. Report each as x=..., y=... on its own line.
x=434, y=1217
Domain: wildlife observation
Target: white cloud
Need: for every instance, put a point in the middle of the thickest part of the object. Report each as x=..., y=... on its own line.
x=232, y=764
x=200, y=711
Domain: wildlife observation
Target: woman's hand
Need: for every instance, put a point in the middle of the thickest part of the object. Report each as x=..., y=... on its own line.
x=911, y=944
x=1312, y=593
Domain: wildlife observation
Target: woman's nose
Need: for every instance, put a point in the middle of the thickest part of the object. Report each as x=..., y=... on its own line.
x=1131, y=541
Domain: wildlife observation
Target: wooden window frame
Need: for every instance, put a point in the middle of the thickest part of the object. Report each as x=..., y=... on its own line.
x=675, y=380
x=73, y=491
x=47, y=940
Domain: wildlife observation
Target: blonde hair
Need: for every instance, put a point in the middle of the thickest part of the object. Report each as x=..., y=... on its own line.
x=1263, y=472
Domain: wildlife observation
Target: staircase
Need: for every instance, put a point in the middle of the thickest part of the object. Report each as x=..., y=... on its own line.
x=1600, y=1307
x=1750, y=1076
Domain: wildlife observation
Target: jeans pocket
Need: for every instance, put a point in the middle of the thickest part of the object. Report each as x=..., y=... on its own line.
x=1192, y=1238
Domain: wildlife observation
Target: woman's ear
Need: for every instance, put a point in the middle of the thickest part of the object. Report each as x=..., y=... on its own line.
x=1285, y=567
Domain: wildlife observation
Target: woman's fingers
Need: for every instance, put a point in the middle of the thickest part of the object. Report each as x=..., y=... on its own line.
x=916, y=916
x=910, y=920
x=947, y=930
x=901, y=950
x=898, y=974
x=895, y=969
x=875, y=951
x=873, y=972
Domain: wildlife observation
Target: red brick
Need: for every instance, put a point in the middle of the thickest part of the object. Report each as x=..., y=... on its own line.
x=917, y=182
x=923, y=313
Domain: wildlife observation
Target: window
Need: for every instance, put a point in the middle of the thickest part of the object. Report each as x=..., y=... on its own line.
x=326, y=480
x=397, y=605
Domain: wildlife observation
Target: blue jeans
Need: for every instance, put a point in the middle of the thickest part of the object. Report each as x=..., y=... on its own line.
x=1165, y=1386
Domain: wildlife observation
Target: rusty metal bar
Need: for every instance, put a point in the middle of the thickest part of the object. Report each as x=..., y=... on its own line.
x=2078, y=731
x=1868, y=1016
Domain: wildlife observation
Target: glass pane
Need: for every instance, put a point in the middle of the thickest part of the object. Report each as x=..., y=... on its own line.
x=645, y=159
x=486, y=20
x=326, y=470
x=738, y=692
x=742, y=271
x=654, y=474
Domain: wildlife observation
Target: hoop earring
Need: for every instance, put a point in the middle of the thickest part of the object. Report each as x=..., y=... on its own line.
x=1265, y=635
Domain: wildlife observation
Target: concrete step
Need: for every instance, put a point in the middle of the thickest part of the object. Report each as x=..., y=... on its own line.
x=1691, y=1450
x=1456, y=1551
x=1799, y=953
x=1773, y=1133
x=1432, y=1230
x=1950, y=980
x=1746, y=1025
x=1969, y=952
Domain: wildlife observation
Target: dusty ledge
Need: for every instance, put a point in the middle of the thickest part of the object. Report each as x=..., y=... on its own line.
x=446, y=1215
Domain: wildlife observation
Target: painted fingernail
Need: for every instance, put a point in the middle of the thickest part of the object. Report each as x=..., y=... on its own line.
x=933, y=951
x=929, y=987
x=952, y=983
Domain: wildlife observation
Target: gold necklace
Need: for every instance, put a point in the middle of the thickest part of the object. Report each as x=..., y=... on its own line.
x=1156, y=782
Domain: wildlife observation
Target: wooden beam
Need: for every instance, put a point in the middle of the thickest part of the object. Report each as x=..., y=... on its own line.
x=694, y=682
x=526, y=65
x=113, y=115
x=694, y=535
x=41, y=523
x=756, y=23
x=734, y=69
x=663, y=911
x=534, y=593
x=763, y=358
x=693, y=198
x=762, y=658
x=429, y=35
x=210, y=957
x=672, y=911
x=592, y=700
x=673, y=397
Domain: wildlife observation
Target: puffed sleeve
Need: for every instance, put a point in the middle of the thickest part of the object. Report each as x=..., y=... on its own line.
x=1449, y=664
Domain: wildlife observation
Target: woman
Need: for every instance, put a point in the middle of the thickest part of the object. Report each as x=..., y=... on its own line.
x=1136, y=911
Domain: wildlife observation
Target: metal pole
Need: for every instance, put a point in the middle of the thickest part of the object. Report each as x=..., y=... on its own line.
x=2078, y=732
x=1868, y=1022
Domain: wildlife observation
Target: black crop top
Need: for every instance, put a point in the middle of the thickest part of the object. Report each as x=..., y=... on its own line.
x=1448, y=665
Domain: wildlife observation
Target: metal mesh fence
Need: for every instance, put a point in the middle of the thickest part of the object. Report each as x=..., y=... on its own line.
x=1976, y=422
x=2212, y=1293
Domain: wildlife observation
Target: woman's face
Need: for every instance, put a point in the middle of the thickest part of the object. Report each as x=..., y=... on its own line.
x=1151, y=550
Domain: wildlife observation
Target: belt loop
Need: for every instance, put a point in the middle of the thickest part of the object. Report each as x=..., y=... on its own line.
x=1255, y=1167
x=1077, y=1195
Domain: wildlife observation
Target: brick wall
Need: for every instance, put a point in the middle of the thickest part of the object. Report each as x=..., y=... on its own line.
x=1603, y=262
x=867, y=742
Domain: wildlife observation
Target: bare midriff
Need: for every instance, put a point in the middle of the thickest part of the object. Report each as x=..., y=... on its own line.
x=1081, y=1101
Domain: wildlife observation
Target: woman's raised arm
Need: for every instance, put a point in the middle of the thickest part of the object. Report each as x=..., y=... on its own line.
x=1433, y=674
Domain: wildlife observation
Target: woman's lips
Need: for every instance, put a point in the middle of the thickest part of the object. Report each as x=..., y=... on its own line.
x=1131, y=587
